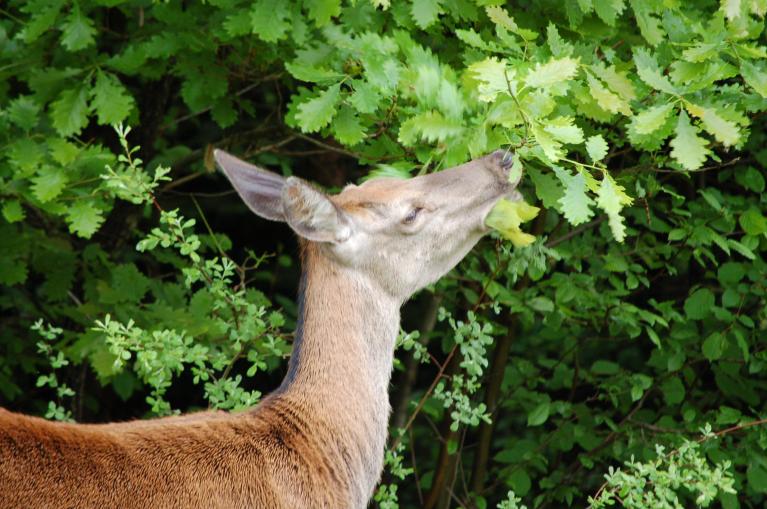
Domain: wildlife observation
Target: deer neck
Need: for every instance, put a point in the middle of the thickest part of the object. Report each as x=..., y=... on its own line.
x=346, y=331
x=342, y=356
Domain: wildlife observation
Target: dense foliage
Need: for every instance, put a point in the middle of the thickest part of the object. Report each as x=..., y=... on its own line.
x=620, y=359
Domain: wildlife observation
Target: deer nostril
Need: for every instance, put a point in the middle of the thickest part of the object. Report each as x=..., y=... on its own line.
x=503, y=158
x=507, y=160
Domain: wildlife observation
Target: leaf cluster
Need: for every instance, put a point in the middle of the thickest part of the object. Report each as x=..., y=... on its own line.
x=637, y=315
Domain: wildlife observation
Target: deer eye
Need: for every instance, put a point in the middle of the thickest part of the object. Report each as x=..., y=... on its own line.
x=410, y=217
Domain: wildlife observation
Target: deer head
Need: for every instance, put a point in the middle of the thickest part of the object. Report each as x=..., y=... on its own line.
x=318, y=440
x=402, y=233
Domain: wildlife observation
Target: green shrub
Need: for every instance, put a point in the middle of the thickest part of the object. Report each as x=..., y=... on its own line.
x=553, y=375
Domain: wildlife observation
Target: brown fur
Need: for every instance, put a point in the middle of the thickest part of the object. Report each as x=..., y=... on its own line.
x=318, y=441
x=202, y=462
x=299, y=448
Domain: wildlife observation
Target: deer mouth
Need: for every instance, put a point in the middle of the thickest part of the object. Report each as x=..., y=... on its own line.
x=500, y=163
x=510, y=193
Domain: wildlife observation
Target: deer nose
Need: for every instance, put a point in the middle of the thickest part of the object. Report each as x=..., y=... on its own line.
x=502, y=160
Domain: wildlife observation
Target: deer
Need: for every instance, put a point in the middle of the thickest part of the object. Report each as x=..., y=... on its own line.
x=318, y=440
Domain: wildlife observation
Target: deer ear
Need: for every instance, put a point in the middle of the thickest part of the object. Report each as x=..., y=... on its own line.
x=261, y=190
x=312, y=215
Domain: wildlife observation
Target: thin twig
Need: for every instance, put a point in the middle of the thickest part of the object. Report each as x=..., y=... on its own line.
x=229, y=367
x=240, y=92
x=576, y=231
x=332, y=148
x=427, y=394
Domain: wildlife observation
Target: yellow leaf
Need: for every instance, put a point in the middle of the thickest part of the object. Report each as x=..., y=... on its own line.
x=591, y=182
x=506, y=217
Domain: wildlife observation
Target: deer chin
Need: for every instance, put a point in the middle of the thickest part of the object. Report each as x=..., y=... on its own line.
x=509, y=194
x=514, y=196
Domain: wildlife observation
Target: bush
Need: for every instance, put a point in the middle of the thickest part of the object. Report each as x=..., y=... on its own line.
x=553, y=375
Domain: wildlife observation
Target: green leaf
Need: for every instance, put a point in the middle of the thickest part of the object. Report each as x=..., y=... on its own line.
x=562, y=129
x=698, y=305
x=321, y=11
x=559, y=47
x=609, y=10
x=128, y=284
x=44, y=15
x=652, y=141
x=84, y=218
x=49, y=183
x=606, y=100
x=389, y=171
x=316, y=113
x=223, y=112
x=425, y=12
x=133, y=58
x=731, y=273
x=25, y=155
x=757, y=477
x=70, y=111
x=702, y=52
x=603, y=367
x=741, y=248
x=12, y=211
x=611, y=198
x=649, y=25
x=77, y=31
x=547, y=187
x=673, y=391
x=124, y=382
x=542, y=304
x=753, y=222
x=62, y=151
x=725, y=131
x=103, y=363
x=728, y=415
x=539, y=414
x=269, y=20
x=552, y=72
x=238, y=23
x=375, y=53
x=472, y=38
x=430, y=126
x=427, y=82
x=755, y=76
x=597, y=148
x=751, y=179
x=365, y=97
x=110, y=100
x=688, y=148
x=618, y=82
x=652, y=119
x=310, y=73
x=12, y=271
x=639, y=384
x=203, y=87
x=649, y=71
x=347, y=128
x=493, y=76
x=731, y=8
x=501, y=18
x=575, y=203
x=550, y=146
x=714, y=346
x=23, y=111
